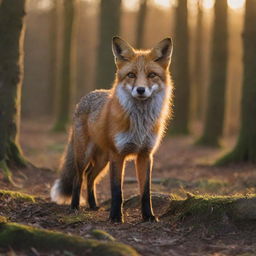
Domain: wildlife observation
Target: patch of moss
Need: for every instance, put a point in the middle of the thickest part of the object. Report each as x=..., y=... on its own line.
x=246, y=254
x=101, y=235
x=76, y=217
x=22, y=237
x=17, y=195
x=3, y=219
x=212, y=208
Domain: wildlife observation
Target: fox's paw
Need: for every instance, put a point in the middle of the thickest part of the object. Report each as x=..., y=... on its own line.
x=74, y=207
x=94, y=208
x=72, y=211
x=150, y=218
x=116, y=219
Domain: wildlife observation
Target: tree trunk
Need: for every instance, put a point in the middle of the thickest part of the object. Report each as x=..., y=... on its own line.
x=180, y=71
x=109, y=25
x=53, y=55
x=11, y=77
x=198, y=65
x=245, y=150
x=142, y=13
x=65, y=90
x=214, y=120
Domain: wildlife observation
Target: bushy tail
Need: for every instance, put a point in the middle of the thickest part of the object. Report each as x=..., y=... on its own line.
x=62, y=188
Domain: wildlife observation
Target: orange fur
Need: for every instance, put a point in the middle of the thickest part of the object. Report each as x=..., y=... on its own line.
x=128, y=120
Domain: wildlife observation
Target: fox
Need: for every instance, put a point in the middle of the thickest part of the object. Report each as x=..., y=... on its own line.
x=126, y=122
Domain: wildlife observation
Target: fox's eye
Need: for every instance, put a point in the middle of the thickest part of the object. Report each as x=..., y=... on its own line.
x=131, y=75
x=152, y=75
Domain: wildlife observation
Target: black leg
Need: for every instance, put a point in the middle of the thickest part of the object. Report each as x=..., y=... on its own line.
x=92, y=173
x=116, y=212
x=77, y=183
x=91, y=199
x=146, y=205
x=144, y=169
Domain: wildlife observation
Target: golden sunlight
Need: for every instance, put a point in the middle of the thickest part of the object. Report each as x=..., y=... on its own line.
x=131, y=5
x=163, y=3
x=208, y=4
x=236, y=4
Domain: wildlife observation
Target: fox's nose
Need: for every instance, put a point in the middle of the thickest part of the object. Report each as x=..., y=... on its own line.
x=140, y=90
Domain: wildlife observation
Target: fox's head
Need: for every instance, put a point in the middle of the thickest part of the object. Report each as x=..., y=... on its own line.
x=142, y=73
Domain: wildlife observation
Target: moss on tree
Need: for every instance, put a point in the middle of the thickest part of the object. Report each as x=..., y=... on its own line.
x=245, y=149
x=22, y=237
x=12, y=13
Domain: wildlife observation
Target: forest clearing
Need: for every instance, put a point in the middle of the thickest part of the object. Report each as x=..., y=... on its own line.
x=191, y=190
x=182, y=172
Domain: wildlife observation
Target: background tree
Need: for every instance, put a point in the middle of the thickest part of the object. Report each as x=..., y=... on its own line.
x=142, y=13
x=214, y=120
x=11, y=77
x=65, y=88
x=180, y=71
x=53, y=31
x=109, y=25
x=245, y=150
x=198, y=64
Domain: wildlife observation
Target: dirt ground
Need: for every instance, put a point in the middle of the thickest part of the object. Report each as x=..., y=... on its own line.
x=180, y=167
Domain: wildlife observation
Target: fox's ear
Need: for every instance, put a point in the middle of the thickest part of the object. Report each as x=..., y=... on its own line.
x=162, y=52
x=121, y=50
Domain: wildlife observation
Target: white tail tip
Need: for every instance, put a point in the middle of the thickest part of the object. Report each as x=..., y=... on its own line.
x=56, y=195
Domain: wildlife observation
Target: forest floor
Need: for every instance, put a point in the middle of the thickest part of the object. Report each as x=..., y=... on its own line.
x=181, y=171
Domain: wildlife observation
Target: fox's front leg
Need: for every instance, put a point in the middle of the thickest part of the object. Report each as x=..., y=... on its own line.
x=116, y=180
x=144, y=163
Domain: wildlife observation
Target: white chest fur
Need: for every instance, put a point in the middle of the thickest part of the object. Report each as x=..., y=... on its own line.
x=143, y=116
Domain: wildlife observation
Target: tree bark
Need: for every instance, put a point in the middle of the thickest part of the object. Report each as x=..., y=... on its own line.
x=180, y=71
x=12, y=13
x=142, y=13
x=214, y=120
x=53, y=32
x=65, y=90
x=245, y=149
x=198, y=65
x=109, y=25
